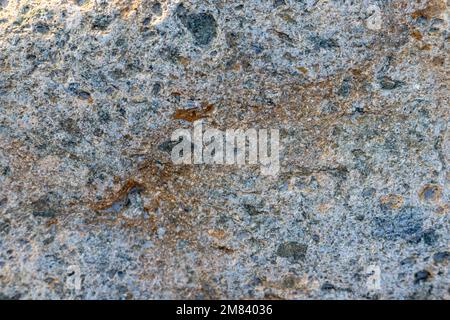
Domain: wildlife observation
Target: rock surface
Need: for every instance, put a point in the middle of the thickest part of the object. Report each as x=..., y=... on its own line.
x=91, y=206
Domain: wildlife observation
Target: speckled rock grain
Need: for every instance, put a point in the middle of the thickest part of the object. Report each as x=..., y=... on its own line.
x=91, y=206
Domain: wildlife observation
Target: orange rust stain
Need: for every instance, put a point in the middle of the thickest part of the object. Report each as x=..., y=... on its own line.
x=225, y=249
x=356, y=72
x=218, y=234
x=184, y=61
x=126, y=8
x=430, y=193
x=52, y=222
x=416, y=35
x=163, y=186
x=303, y=70
x=192, y=115
x=126, y=188
x=324, y=207
x=434, y=9
x=444, y=209
x=237, y=66
x=438, y=61
x=392, y=200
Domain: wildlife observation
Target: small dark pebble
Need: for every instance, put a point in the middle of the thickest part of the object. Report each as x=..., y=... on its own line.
x=48, y=240
x=103, y=116
x=441, y=257
x=279, y=3
x=293, y=250
x=430, y=237
x=368, y=192
x=5, y=226
x=84, y=95
x=156, y=88
x=408, y=261
x=3, y=201
x=407, y=225
x=101, y=22
x=387, y=83
x=421, y=276
x=251, y=210
x=323, y=43
x=202, y=26
x=41, y=28
x=146, y=21
x=327, y=286
x=344, y=89
x=157, y=9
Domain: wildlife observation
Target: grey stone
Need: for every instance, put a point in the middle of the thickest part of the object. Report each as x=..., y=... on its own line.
x=101, y=21
x=441, y=257
x=421, y=276
x=293, y=250
x=92, y=206
x=202, y=26
x=389, y=84
x=407, y=224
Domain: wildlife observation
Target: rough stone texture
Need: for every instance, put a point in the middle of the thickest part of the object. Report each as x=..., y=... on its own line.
x=92, y=207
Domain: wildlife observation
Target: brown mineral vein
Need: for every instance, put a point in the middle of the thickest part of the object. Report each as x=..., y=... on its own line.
x=194, y=114
x=126, y=188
